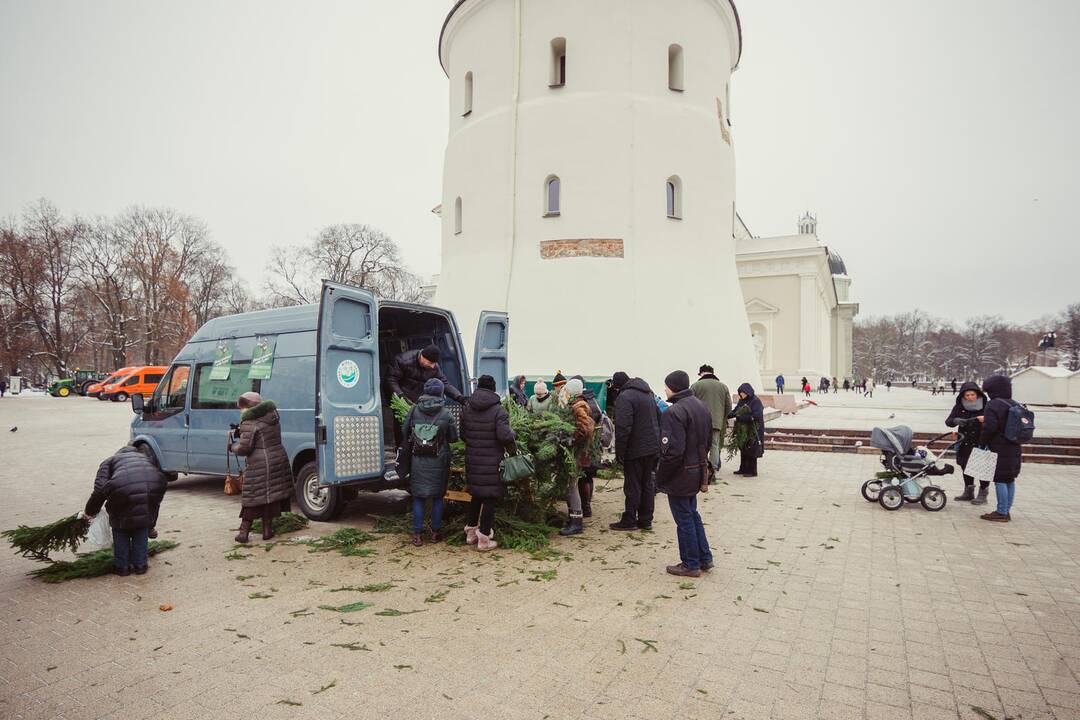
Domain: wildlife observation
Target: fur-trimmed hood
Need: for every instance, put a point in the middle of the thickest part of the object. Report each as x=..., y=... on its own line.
x=260, y=410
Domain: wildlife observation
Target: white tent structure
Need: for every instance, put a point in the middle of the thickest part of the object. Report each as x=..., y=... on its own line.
x=589, y=184
x=1047, y=386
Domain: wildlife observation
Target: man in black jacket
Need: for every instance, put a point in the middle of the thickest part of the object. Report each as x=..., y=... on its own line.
x=411, y=369
x=994, y=419
x=683, y=471
x=131, y=488
x=637, y=443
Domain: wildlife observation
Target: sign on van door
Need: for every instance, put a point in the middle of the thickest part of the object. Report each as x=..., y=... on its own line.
x=348, y=420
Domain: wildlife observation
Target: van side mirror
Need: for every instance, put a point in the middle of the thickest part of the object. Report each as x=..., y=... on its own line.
x=137, y=403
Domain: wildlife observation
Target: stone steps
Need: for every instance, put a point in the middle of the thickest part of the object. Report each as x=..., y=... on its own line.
x=1057, y=451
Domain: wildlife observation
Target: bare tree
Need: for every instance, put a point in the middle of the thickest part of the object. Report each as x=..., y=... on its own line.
x=107, y=275
x=1070, y=323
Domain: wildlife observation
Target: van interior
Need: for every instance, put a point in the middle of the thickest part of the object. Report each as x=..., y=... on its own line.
x=402, y=329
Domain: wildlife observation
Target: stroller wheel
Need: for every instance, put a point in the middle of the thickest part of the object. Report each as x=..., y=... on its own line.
x=871, y=489
x=891, y=498
x=933, y=498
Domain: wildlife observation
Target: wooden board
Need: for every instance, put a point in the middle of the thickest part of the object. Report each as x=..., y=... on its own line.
x=458, y=496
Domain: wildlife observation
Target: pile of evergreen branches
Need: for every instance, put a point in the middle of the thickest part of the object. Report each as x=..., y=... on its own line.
x=742, y=435
x=286, y=522
x=37, y=542
x=88, y=565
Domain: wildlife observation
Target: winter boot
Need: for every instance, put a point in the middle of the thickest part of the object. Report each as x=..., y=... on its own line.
x=573, y=527
x=245, y=528
x=485, y=542
x=968, y=494
x=586, y=488
x=471, y=534
x=267, y=527
x=981, y=498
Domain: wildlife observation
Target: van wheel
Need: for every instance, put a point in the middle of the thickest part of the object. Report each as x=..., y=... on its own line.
x=120, y=397
x=317, y=503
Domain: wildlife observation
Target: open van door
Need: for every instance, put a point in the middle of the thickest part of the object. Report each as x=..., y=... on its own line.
x=490, y=357
x=348, y=424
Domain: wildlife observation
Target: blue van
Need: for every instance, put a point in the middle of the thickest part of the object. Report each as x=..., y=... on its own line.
x=327, y=365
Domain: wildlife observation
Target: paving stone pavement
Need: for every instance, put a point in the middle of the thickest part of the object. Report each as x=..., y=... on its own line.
x=821, y=605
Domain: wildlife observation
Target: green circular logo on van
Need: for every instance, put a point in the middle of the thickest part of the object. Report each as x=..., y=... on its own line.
x=348, y=373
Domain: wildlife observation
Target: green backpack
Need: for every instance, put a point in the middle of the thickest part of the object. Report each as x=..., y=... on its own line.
x=425, y=439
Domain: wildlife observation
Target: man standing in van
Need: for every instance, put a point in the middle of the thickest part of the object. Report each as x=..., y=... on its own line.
x=411, y=369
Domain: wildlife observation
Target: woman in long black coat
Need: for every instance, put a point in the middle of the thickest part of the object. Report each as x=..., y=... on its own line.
x=485, y=428
x=969, y=407
x=748, y=455
x=999, y=388
x=268, y=479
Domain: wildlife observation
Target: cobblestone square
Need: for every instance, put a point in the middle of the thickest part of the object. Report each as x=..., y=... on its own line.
x=821, y=605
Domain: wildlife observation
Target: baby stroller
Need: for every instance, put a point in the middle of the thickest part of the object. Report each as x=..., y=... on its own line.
x=906, y=471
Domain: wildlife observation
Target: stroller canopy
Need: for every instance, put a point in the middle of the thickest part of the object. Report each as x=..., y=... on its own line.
x=896, y=440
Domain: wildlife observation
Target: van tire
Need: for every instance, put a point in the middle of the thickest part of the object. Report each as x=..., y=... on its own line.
x=322, y=504
x=120, y=397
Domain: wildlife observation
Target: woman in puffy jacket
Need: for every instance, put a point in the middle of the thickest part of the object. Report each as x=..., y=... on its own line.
x=268, y=478
x=969, y=407
x=485, y=428
x=583, y=432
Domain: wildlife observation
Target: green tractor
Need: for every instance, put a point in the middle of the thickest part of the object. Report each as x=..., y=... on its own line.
x=76, y=384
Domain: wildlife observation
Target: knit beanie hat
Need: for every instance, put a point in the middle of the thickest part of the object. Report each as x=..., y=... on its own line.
x=431, y=353
x=559, y=380
x=677, y=381
x=249, y=400
x=486, y=382
x=540, y=389
x=575, y=387
x=434, y=387
x=619, y=379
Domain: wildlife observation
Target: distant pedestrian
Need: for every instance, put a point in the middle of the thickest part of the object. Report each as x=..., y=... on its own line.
x=806, y=388
x=954, y=385
x=517, y=391
x=268, y=478
x=780, y=384
x=131, y=487
x=847, y=385
x=868, y=387
x=685, y=432
x=888, y=386
x=1009, y=456
x=485, y=428
x=430, y=429
x=3, y=388
x=716, y=396
x=755, y=413
x=583, y=432
x=637, y=445
x=835, y=386
x=541, y=400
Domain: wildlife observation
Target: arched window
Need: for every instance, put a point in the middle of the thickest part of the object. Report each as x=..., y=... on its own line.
x=457, y=216
x=558, y=63
x=467, y=105
x=674, y=197
x=675, y=68
x=552, y=196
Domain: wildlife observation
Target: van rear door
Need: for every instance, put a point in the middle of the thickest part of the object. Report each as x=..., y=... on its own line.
x=348, y=425
x=490, y=357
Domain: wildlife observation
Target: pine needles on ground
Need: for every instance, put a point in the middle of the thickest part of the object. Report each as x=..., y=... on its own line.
x=346, y=541
x=93, y=564
x=38, y=542
x=284, y=523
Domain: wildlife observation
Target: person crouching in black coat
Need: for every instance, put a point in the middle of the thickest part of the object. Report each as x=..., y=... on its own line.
x=965, y=415
x=485, y=428
x=131, y=488
x=1009, y=459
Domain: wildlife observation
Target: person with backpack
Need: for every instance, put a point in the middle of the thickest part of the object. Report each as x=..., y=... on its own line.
x=1006, y=425
x=637, y=443
x=485, y=428
x=780, y=384
x=683, y=472
x=429, y=430
x=716, y=396
x=969, y=407
x=583, y=432
x=541, y=400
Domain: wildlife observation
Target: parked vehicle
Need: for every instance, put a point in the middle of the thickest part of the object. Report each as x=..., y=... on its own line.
x=78, y=383
x=139, y=381
x=329, y=363
x=94, y=390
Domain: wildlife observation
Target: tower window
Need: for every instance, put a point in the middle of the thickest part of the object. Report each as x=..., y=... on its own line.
x=466, y=108
x=552, y=198
x=558, y=63
x=674, y=197
x=457, y=216
x=675, y=68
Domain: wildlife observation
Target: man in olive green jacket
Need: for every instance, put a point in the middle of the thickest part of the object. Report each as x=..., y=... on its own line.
x=716, y=396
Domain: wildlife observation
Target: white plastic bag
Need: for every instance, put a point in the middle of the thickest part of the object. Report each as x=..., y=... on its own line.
x=982, y=465
x=99, y=536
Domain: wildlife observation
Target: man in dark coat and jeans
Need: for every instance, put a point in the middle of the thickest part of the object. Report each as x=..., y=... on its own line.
x=637, y=443
x=131, y=488
x=1009, y=454
x=683, y=471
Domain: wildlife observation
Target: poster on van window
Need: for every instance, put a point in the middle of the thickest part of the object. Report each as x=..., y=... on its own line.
x=262, y=357
x=222, y=361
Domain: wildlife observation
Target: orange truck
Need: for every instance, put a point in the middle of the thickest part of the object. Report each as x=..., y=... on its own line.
x=138, y=381
x=95, y=389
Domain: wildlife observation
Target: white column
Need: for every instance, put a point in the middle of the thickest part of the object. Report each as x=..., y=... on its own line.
x=808, y=321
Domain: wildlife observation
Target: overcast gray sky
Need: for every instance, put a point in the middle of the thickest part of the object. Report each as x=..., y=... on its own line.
x=935, y=139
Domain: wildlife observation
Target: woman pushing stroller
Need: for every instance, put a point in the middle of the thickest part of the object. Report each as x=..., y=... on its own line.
x=966, y=417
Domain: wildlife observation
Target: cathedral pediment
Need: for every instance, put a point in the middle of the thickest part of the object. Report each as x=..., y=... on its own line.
x=757, y=306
